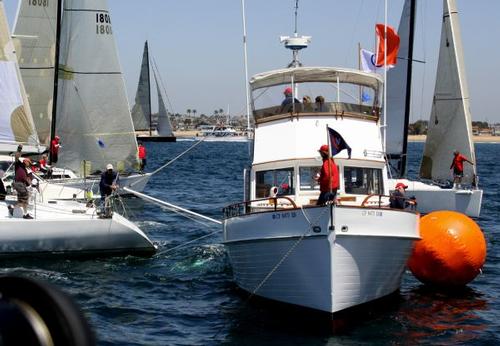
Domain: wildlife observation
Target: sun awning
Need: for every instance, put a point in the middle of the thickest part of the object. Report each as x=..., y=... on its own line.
x=316, y=74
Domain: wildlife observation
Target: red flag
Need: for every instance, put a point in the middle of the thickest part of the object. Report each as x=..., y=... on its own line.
x=392, y=45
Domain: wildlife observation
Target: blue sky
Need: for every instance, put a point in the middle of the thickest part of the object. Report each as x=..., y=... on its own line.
x=197, y=45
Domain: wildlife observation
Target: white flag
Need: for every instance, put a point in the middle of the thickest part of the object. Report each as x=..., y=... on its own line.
x=368, y=61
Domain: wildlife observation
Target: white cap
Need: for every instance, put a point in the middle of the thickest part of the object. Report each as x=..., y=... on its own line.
x=109, y=166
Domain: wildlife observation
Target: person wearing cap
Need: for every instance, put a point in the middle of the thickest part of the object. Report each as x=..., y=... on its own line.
x=21, y=182
x=328, y=178
x=289, y=99
x=108, y=183
x=458, y=167
x=54, y=150
x=142, y=156
x=398, y=199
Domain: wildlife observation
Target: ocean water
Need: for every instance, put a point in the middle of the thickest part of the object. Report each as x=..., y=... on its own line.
x=187, y=296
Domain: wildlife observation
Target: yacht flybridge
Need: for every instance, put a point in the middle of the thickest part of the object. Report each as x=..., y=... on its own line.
x=283, y=246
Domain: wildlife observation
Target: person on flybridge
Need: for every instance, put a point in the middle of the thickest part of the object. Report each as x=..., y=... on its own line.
x=289, y=99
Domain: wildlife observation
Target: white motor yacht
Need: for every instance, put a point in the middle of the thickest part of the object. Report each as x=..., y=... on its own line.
x=284, y=247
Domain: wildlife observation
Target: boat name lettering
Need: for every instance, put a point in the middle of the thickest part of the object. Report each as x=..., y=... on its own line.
x=103, y=24
x=371, y=213
x=287, y=215
x=43, y=3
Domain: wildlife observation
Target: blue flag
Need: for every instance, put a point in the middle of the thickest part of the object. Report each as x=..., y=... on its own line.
x=365, y=97
x=337, y=143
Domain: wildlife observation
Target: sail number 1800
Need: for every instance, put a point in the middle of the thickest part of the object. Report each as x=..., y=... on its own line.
x=103, y=24
x=43, y=3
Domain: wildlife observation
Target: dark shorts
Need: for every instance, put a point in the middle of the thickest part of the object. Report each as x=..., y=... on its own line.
x=326, y=196
x=22, y=192
x=458, y=173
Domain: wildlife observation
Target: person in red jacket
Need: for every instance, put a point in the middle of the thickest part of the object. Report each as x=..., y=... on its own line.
x=142, y=156
x=54, y=150
x=458, y=167
x=328, y=178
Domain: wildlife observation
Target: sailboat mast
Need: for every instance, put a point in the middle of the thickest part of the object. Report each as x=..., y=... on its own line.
x=149, y=86
x=402, y=171
x=56, y=73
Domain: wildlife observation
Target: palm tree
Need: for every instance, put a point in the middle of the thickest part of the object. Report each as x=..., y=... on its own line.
x=221, y=111
x=189, y=112
x=194, y=112
x=216, y=112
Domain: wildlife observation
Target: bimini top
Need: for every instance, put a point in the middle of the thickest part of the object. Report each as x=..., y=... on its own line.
x=316, y=74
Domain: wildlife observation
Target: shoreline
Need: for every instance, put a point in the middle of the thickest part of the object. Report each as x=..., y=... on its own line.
x=476, y=139
x=411, y=138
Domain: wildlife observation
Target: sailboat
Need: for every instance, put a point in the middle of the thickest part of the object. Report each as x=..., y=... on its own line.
x=58, y=227
x=142, y=112
x=16, y=122
x=450, y=126
x=89, y=104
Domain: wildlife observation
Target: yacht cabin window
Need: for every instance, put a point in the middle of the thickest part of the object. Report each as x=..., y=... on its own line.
x=363, y=180
x=307, y=177
x=281, y=178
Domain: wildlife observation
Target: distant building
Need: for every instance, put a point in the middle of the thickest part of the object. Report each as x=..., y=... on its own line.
x=495, y=130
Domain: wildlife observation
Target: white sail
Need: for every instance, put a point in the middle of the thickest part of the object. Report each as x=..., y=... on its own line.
x=450, y=126
x=164, y=126
x=16, y=122
x=399, y=80
x=142, y=109
x=93, y=116
x=35, y=39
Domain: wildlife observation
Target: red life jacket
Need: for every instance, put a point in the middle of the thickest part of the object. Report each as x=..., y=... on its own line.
x=142, y=152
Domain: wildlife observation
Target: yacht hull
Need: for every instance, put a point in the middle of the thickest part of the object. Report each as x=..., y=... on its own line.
x=296, y=257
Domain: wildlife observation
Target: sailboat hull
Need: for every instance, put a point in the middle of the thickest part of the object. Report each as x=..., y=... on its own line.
x=156, y=138
x=279, y=255
x=64, y=229
x=433, y=197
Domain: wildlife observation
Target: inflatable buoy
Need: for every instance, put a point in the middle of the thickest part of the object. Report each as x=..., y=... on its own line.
x=451, y=252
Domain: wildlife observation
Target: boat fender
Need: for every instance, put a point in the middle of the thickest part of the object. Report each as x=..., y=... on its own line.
x=273, y=191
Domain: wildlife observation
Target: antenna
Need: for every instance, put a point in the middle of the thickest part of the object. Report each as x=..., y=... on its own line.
x=295, y=43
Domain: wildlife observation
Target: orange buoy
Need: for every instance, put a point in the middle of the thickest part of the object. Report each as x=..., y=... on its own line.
x=451, y=252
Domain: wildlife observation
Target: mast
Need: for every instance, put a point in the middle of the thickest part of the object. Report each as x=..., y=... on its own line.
x=247, y=91
x=56, y=75
x=146, y=49
x=402, y=170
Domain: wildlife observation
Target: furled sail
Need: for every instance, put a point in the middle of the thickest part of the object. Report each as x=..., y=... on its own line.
x=93, y=117
x=398, y=94
x=35, y=39
x=142, y=109
x=164, y=126
x=450, y=126
x=16, y=123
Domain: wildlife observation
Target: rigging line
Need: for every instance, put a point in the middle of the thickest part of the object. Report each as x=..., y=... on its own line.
x=158, y=77
x=353, y=32
x=169, y=162
x=288, y=253
x=170, y=205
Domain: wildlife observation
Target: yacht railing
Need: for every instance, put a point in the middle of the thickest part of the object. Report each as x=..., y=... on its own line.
x=247, y=207
x=338, y=109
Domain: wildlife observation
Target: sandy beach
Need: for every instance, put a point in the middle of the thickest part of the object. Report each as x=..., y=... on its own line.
x=477, y=139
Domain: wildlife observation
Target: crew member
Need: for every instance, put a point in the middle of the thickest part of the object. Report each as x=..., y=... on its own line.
x=142, y=156
x=328, y=178
x=458, y=167
x=108, y=183
x=54, y=150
